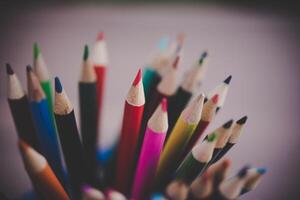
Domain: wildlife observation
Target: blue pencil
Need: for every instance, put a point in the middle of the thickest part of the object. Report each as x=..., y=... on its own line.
x=46, y=132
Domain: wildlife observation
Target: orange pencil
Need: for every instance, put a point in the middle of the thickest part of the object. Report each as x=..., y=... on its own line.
x=41, y=174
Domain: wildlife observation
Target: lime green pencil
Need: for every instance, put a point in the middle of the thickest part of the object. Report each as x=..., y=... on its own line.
x=40, y=69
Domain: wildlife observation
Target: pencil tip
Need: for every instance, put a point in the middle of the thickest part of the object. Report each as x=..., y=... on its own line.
x=215, y=98
x=86, y=52
x=28, y=68
x=36, y=50
x=261, y=170
x=164, y=104
x=242, y=173
x=58, y=86
x=228, y=124
x=137, y=78
x=100, y=36
x=212, y=137
x=242, y=120
x=9, y=70
x=202, y=57
x=227, y=80
x=176, y=61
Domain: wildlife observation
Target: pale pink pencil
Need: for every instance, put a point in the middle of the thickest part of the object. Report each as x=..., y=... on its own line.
x=152, y=146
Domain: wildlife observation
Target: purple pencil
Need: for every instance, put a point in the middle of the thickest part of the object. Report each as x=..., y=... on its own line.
x=152, y=146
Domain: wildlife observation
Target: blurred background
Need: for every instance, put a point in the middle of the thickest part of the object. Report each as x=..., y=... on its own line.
x=257, y=42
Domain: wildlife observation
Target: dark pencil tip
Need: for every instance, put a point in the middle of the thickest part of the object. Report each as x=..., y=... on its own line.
x=228, y=124
x=9, y=70
x=242, y=173
x=202, y=57
x=28, y=68
x=242, y=120
x=58, y=86
x=227, y=80
x=217, y=109
x=86, y=52
x=261, y=170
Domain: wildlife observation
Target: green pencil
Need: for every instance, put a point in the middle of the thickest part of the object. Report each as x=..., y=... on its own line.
x=194, y=163
x=40, y=69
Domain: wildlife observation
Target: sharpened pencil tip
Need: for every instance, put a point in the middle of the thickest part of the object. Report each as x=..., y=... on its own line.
x=261, y=170
x=242, y=173
x=9, y=70
x=227, y=80
x=36, y=50
x=164, y=105
x=242, y=120
x=100, y=36
x=86, y=52
x=212, y=137
x=202, y=57
x=215, y=98
x=137, y=78
x=28, y=68
x=58, y=86
x=228, y=124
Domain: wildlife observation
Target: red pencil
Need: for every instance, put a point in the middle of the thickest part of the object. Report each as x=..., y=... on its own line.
x=133, y=112
x=100, y=60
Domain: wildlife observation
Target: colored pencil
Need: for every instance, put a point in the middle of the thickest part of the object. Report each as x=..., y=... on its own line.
x=114, y=195
x=253, y=178
x=133, y=112
x=232, y=187
x=223, y=134
x=233, y=139
x=41, y=71
x=88, y=115
x=20, y=109
x=208, y=113
x=151, y=73
x=69, y=139
x=184, y=128
x=177, y=190
x=100, y=61
x=202, y=187
x=151, y=149
x=222, y=91
x=90, y=193
x=41, y=174
x=46, y=132
x=219, y=171
x=196, y=161
x=185, y=91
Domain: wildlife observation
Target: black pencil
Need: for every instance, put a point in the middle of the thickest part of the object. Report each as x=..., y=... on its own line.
x=185, y=91
x=69, y=138
x=20, y=109
x=88, y=115
x=236, y=131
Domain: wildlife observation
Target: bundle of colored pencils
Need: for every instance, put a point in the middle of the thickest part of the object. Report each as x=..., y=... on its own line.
x=162, y=152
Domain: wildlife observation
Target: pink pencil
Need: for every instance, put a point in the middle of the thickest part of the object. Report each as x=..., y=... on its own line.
x=152, y=146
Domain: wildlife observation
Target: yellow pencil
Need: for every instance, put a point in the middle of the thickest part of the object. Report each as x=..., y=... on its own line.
x=180, y=135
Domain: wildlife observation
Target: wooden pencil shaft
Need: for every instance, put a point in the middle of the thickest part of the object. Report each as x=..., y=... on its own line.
x=201, y=127
x=189, y=169
x=46, y=134
x=72, y=150
x=101, y=78
x=176, y=105
x=88, y=119
x=128, y=146
x=23, y=120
